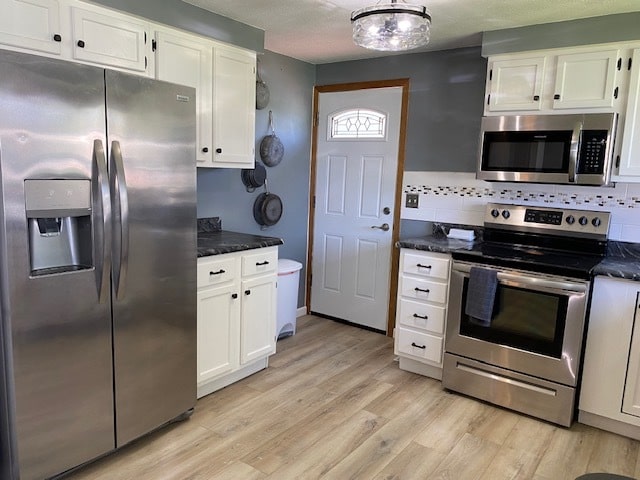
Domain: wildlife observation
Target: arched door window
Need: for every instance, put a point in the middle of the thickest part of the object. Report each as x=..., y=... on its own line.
x=357, y=123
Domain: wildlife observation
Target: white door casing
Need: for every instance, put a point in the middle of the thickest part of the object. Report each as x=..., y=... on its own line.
x=355, y=188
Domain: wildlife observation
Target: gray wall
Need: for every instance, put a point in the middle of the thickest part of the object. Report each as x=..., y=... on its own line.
x=221, y=191
x=610, y=28
x=445, y=102
x=188, y=17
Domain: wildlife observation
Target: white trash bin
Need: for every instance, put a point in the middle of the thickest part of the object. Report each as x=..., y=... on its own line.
x=288, y=280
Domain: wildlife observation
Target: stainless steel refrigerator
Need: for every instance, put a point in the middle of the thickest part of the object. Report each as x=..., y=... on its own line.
x=98, y=261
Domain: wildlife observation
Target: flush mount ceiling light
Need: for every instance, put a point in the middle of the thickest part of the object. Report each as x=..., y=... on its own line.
x=391, y=26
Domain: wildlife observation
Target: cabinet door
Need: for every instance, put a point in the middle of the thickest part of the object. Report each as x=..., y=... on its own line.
x=258, y=318
x=218, y=331
x=631, y=398
x=630, y=154
x=607, y=347
x=585, y=80
x=187, y=61
x=31, y=24
x=516, y=84
x=109, y=39
x=234, y=105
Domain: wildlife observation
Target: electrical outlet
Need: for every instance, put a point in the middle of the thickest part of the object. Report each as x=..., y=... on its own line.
x=411, y=200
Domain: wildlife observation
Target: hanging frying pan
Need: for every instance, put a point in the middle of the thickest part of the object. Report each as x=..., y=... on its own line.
x=262, y=91
x=267, y=209
x=254, y=177
x=271, y=148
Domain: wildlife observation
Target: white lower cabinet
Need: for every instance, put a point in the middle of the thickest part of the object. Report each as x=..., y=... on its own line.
x=610, y=394
x=423, y=287
x=236, y=316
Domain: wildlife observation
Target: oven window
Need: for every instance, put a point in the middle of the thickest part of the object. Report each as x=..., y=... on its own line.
x=524, y=319
x=541, y=151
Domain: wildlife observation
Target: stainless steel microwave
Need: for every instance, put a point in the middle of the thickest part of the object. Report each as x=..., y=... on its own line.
x=572, y=149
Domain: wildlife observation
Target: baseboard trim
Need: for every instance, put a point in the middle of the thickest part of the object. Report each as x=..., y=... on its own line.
x=302, y=311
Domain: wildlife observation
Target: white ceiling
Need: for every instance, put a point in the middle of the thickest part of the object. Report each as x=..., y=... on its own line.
x=319, y=31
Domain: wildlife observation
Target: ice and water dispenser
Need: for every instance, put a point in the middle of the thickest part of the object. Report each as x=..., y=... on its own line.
x=59, y=218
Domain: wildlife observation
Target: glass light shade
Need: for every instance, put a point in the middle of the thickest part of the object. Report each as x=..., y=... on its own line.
x=391, y=27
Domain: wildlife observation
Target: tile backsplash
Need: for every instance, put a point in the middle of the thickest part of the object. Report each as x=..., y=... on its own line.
x=453, y=197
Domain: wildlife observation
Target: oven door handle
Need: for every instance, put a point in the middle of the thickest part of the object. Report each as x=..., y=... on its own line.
x=535, y=281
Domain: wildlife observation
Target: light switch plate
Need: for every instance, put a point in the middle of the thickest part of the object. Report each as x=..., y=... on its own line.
x=411, y=201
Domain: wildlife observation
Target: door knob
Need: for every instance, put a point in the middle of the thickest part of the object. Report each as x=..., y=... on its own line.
x=384, y=227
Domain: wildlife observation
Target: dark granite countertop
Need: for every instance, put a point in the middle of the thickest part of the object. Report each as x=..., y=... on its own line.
x=621, y=261
x=212, y=240
x=217, y=243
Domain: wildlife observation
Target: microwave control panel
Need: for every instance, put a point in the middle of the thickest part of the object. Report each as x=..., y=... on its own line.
x=593, y=147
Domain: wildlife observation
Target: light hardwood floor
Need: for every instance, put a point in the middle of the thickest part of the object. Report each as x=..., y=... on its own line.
x=334, y=405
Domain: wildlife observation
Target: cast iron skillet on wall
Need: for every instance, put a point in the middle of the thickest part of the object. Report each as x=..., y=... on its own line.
x=254, y=177
x=267, y=209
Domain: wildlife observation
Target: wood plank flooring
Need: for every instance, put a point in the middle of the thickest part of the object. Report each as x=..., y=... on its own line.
x=333, y=404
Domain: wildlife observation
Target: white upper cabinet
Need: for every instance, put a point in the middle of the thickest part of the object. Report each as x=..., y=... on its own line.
x=77, y=31
x=32, y=25
x=630, y=154
x=109, y=38
x=515, y=84
x=587, y=80
x=187, y=60
x=234, y=104
x=580, y=79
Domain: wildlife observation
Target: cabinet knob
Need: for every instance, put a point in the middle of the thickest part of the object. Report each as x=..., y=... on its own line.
x=80, y=43
x=536, y=98
x=57, y=37
x=234, y=295
x=556, y=96
x=247, y=292
x=205, y=149
x=218, y=150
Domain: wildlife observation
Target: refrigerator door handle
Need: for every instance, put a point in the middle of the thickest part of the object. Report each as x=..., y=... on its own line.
x=121, y=219
x=102, y=206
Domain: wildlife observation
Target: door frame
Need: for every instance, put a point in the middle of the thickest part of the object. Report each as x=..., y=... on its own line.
x=395, y=230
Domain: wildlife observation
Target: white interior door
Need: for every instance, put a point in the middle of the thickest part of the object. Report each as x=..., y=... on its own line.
x=356, y=168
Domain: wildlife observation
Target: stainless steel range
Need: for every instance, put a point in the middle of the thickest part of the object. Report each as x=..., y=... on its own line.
x=517, y=308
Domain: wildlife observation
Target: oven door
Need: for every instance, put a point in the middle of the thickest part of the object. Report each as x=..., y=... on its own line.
x=536, y=327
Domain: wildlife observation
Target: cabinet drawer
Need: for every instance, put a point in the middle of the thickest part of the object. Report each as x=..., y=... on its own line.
x=420, y=345
x=214, y=272
x=421, y=315
x=260, y=262
x=423, y=289
x=431, y=266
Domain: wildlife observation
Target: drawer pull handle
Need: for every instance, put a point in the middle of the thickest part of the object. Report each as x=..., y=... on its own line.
x=218, y=272
x=425, y=290
x=421, y=347
x=260, y=264
x=419, y=265
x=424, y=317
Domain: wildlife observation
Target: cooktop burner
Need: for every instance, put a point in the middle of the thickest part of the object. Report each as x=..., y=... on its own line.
x=548, y=240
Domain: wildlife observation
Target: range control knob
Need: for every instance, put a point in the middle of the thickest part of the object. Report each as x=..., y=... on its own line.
x=596, y=222
x=583, y=221
x=506, y=214
x=571, y=220
x=495, y=213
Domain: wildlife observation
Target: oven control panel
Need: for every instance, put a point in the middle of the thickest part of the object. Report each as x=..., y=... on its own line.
x=558, y=221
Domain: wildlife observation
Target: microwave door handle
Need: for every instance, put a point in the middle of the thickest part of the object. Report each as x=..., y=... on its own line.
x=573, y=152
